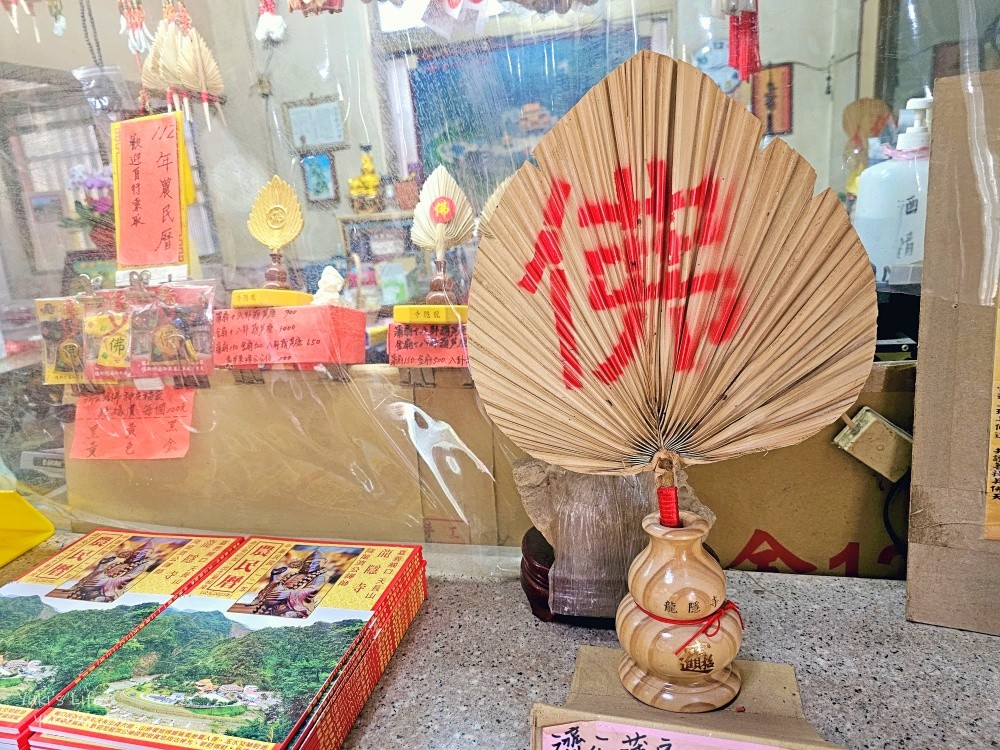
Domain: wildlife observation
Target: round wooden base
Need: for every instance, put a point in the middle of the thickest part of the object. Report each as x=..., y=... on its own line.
x=699, y=694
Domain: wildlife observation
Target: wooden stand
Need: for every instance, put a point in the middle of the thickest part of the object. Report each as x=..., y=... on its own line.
x=768, y=712
x=679, y=632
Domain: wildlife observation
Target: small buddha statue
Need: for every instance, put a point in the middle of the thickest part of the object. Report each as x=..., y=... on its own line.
x=365, y=190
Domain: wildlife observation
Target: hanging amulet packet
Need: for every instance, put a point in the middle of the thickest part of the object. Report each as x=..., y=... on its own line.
x=171, y=332
x=106, y=338
x=62, y=323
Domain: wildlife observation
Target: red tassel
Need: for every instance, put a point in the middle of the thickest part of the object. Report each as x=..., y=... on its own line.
x=667, y=499
x=744, y=44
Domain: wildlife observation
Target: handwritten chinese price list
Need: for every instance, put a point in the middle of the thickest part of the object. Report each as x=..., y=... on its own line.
x=148, y=190
x=128, y=424
x=603, y=735
x=411, y=345
x=249, y=337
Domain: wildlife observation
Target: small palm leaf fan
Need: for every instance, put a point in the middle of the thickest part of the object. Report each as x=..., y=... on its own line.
x=657, y=290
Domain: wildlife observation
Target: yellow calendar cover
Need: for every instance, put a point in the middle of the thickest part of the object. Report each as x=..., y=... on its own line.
x=243, y=659
x=59, y=619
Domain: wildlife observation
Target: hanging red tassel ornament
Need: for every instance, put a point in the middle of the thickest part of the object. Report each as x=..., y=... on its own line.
x=744, y=40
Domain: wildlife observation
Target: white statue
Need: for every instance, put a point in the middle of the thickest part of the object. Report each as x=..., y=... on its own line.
x=331, y=283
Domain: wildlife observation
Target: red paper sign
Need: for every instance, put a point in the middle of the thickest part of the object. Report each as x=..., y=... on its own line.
x=129, y=424
x=249, y=337
x=148, y=190
x=427, y=345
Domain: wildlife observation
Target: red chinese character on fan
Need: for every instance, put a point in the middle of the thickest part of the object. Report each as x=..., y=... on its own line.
x=647, y=263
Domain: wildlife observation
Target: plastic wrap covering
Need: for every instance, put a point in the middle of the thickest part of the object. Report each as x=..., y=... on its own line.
x=353, y=105
x=594, y=524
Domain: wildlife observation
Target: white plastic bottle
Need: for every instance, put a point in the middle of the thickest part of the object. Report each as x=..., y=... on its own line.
x=891, y=209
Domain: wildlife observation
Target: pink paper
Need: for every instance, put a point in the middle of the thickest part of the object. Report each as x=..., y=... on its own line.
x=128, y=424
x=603, y=735
x=253, y=336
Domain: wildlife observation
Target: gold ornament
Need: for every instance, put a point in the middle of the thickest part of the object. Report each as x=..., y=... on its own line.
x=276, y=217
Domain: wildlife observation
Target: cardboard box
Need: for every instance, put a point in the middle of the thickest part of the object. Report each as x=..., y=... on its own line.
x=953, y=574
x=768, y=710
x=455, y=459
x=812, y=507
x=409, y=455
x=298, y=454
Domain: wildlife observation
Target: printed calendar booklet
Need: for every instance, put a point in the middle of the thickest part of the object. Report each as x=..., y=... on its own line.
x=239, y=662
x=58, y=619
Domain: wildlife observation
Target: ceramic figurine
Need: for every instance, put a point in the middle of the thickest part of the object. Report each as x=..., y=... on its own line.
x=331, y=284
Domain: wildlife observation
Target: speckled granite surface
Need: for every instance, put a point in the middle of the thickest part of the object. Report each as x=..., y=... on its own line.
x=475, y=660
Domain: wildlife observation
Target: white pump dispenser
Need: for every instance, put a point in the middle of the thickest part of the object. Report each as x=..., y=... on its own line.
x=891, y=209
x=919, y=134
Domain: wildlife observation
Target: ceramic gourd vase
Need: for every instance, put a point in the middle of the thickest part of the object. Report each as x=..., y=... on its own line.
x=679, y=633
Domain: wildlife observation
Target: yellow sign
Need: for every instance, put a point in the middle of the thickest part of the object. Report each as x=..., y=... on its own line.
x=991, y=529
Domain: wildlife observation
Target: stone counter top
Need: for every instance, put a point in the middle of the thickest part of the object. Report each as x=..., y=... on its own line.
x=475, y=660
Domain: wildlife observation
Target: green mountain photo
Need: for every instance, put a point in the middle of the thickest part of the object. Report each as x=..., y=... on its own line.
x=203, y=671
x=42, y=650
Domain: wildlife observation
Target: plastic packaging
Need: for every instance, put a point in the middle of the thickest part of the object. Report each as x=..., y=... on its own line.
x=376, y=92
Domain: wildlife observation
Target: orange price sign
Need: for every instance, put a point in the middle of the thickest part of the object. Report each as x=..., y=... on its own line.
x=412, y=345
x=148, y=191
x=128, y=424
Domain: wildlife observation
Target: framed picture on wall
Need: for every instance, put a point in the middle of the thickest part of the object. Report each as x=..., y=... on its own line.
x=319, y=174
x=316, y=124
x=49, y=239
x=771, y=99
x=103, y=263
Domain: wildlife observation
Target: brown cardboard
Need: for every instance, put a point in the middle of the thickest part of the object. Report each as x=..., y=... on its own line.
x=953, y=573
x=295, y=455
x=768, y=709
x=811, y=508
x=459, y=507
x=819, y=503
x=512, y=520
x=298, y=454
x=878, y=443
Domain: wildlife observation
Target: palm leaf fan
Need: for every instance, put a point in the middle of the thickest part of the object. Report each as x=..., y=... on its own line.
x=490, y=207
x=169, y=61
x=152, y=77
x=442, y=219
x=200, y=72
x=659, y=290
